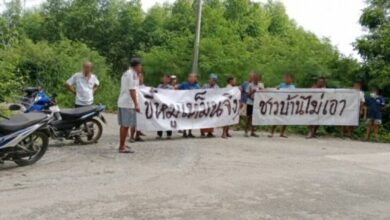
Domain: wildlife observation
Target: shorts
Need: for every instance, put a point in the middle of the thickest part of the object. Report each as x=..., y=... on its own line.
x=81, y=106
x=127, y=117
x=249, y=110
x=374, y=121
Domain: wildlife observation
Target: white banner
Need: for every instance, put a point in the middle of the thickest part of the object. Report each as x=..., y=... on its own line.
x=163, y=109
x=307, y=107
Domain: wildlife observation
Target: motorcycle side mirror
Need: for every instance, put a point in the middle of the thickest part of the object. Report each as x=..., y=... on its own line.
x=14, y=107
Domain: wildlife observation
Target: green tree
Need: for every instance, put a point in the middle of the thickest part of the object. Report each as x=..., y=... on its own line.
x=375, y=46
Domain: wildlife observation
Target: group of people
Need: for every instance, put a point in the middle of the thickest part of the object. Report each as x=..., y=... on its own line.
x=84, y=85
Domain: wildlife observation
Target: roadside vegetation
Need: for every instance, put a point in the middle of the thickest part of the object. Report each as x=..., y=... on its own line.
x=44, y=46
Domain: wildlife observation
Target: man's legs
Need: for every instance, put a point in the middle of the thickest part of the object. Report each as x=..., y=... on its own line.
x=315, y=128
x=311, y=130
x=132, y=133
x=122, y=137
x=225, y=131
x=272, y=131
x=376, y=132
x=283, y=130
x=138, y=135
x=188, y=133
x=253, y=130
x=124, y=120
x=368, y=131
x=249, y=112
x=248, y=124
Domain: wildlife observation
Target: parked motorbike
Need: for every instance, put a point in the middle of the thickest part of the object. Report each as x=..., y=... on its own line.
x=24, y=138
x=78, y=124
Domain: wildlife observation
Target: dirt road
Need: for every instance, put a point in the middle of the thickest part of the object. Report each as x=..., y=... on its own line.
x=239, y=178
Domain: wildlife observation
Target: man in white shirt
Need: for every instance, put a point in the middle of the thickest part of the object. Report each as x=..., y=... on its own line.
x=83, y=85
x=253, y=87
x=128, y=103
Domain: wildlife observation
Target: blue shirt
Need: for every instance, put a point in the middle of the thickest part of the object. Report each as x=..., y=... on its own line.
x=189, y=86
x=286, y=86
x=374, y=107
x=244, y=93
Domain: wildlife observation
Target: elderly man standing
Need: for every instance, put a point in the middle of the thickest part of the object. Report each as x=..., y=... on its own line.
x=83, y=85
x=212, y=84
x=128, y=103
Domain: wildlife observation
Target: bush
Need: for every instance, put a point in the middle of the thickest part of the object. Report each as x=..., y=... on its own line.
x=49, y=65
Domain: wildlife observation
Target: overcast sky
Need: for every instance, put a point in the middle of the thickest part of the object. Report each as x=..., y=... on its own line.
x=336, y=19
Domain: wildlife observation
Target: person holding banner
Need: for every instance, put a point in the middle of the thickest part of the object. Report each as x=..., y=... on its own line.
x=165, y=85
x=286, y=85
x=357, y=85
x=128, y=104
x=253, y=87
x=135, y=135
x=212, y=84
x=321, y=84
x=244, y=95
x=191, y=84
x=231, y=82
x=173, y=81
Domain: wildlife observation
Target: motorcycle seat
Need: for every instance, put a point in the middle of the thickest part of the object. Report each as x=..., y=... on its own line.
x=77, y=112
x=21, y=121
x=31, y=90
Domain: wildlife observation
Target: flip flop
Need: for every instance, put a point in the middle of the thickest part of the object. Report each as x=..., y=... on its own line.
x=126, y=150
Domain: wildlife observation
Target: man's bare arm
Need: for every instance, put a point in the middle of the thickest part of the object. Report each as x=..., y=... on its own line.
x=70, y=88
x=95, y=87
x=133, y=95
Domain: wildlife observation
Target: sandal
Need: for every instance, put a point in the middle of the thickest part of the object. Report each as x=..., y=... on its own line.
x=125, y=150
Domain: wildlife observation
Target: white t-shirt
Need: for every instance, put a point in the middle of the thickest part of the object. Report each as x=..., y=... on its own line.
x=84, y=87
x=251, y=87
x=129, y=81
x=362, y=98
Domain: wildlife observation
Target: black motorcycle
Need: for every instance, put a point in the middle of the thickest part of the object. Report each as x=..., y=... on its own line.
x=78, y=124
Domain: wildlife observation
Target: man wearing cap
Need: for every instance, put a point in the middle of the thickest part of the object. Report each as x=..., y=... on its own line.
x=174, y=81
x=128, y=103
x=212, y=84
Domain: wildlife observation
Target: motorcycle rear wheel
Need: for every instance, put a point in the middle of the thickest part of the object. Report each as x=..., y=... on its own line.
x=91, y=132
x=37, y=143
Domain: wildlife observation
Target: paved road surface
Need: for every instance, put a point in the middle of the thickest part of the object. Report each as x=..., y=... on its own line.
x=239, y=178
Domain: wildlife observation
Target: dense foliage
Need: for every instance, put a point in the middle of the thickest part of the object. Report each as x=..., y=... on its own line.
x=44, y=46
x=237, y=36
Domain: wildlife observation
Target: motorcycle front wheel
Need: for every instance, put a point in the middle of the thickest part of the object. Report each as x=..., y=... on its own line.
x=31, y=149
x=91, y=132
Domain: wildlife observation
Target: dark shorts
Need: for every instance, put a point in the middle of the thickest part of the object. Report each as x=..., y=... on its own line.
x=249, y=110
x=127, y=117
x=80, y=106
